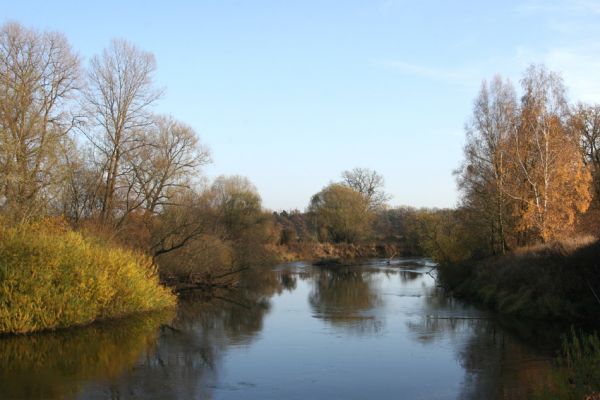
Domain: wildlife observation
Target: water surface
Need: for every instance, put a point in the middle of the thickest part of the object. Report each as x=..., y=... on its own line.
x=298, y=332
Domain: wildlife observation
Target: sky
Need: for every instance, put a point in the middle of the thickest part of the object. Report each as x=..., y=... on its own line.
x=292, y=93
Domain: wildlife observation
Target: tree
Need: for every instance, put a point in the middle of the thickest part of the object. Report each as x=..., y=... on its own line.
x=550, y=181
x=341, y=214
x=218, y=231
x=585, y=123
x=39, y=77
x=165, y=161
x=368, y=183
x=483, y=175
x=118, y=99
x=80, y=196
x=446, y=235
x=238, y=204
x=524, y=179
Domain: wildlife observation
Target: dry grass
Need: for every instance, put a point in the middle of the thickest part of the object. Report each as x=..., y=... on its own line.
x=563, y=246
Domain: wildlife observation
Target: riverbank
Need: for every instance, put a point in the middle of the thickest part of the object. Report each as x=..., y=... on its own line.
x=52, y=278
x=339, y=253
x=560, y=280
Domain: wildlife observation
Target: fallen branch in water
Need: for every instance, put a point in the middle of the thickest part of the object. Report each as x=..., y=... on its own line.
x=202, y=281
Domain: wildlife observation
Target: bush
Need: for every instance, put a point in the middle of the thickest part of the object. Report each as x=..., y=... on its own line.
x=52, y=277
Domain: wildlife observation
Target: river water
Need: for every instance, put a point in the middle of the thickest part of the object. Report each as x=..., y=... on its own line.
x=374, y=331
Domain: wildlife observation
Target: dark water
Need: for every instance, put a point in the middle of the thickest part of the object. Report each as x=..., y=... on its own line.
x=368, y=332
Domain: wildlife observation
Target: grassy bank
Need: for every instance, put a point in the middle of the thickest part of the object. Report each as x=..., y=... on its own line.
x=560, y=280
x=52, y=277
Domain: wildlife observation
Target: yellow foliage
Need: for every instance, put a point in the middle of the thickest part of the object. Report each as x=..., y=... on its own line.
x=52, y=277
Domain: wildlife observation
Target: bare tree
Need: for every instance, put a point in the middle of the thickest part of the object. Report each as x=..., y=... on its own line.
x=81, y=195
x=118, y=100
x=166, y=161
x=39, y=76
x=369, y=183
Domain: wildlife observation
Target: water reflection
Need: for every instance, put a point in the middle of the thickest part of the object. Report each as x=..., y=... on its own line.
x=57, y=365
x=346, y=297
x=296, y=332
x=186, y=362
x=502, y=357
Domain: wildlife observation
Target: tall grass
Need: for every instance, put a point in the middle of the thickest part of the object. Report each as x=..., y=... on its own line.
x=52, y=277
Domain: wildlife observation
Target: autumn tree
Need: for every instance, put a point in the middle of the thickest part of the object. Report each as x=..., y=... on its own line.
x=368, y=183
x=39, y=78
x=119, y=96
x=550, y=181
x=585, y=125
x=524, y=178
x=483, y=176
x=341, y=214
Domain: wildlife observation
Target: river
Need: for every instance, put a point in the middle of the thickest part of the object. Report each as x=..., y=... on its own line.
x=374, y=331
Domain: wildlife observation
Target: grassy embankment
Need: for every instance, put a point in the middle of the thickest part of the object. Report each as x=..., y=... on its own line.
x=559, y=280
x=52, y=277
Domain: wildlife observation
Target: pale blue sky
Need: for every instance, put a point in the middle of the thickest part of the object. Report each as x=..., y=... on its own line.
x=291, y=93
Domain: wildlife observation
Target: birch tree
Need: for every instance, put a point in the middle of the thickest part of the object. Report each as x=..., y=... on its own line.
x=550, y=179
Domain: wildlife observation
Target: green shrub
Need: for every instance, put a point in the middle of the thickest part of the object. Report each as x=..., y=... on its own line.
x=52, y=277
